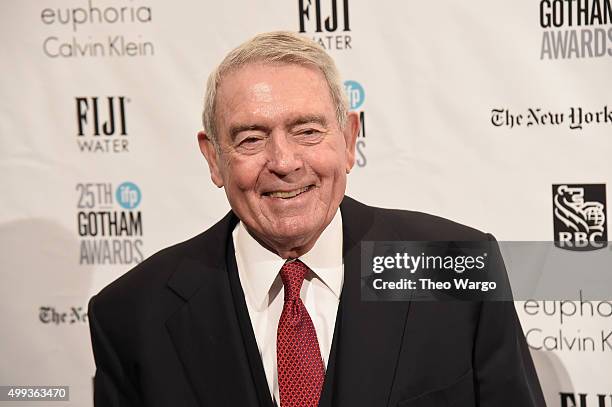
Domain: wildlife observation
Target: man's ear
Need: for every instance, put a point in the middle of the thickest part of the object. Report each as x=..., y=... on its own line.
x=207, y=147
x=351, y=130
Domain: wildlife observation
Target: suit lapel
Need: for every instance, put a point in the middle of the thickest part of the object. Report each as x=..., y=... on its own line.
x=370, y=333
x=205, y=331
x=329, y=385
x=248, y=335
x=208, y=331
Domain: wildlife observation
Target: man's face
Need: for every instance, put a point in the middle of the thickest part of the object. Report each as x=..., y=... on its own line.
x=283, y=157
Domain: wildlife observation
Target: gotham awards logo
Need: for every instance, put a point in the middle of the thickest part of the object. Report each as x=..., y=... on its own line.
x=327, y=21
x=109, y=224
x=574, y=29
x=580, y=216
x=356, y=96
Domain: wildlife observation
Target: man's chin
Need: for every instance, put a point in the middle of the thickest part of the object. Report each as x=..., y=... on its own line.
x=292, y=233
x=291, y=236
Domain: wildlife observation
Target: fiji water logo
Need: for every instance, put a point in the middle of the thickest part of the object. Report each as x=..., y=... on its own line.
x=128, y=195
x=355, y=94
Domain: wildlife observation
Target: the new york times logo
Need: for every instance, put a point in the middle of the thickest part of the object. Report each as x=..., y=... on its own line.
x=328, y=23
x=576, y=29
x=108, y=224
x=585, y=400
x=101, y=124
x=580, y=216
x=356, y=96
x=51, y=315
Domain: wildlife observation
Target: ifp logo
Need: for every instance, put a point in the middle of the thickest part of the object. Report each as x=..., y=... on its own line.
x=356, y=96
x=355, y=93
x=128, y=195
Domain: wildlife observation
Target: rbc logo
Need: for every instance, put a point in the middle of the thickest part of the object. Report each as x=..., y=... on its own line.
x=355, y=93
x=128, y=195
x=580, y=216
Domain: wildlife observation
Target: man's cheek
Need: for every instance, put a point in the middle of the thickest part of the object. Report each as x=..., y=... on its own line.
x=245, y=180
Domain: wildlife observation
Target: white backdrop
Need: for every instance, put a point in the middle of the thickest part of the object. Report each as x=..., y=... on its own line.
x=430, y=74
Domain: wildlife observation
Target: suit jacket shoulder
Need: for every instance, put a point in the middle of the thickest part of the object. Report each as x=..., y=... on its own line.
x=126, y=306
x=399, y=224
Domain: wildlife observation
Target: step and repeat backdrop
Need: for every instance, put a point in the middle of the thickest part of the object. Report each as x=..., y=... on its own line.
x=492, y=113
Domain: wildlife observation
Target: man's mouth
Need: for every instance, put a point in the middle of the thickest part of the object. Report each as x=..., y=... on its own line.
x=288, y=194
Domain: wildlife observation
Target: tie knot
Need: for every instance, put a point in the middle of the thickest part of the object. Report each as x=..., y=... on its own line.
x=293, y=273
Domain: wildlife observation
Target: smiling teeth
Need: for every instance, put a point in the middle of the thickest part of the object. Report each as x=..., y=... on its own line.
x=289, y=194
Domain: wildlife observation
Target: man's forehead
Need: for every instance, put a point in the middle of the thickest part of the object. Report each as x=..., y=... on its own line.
x=245, y=75
x=270, y=90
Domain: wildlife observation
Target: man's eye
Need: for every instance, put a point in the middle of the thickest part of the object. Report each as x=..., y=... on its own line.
x=249, y=141
x=309, y=132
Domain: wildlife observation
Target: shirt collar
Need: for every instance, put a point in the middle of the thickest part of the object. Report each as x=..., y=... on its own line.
x=258, y=267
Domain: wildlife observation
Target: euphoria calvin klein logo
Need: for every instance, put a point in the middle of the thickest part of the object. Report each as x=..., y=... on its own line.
x=88, y=29
x=356, y=96
x=324, y=16
x=102, y=124
x=580, y=216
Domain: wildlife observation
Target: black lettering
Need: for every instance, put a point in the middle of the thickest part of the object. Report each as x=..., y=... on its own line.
x=135, y=224
x=304, y=14
x=346, y=16
x=583, y=12
x=318, y=15
x=95, y=113
x=332, y=25
x=108, y=128
x=557, y=13
x=122, y=115
x=362, y=132
x=545, y=14
x=607, y=18
x=595, y=13
x=569, y=12
x=82, y=107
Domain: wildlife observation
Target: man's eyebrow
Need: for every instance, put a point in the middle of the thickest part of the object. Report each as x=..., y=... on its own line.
x=236, y=129
x=320, y=120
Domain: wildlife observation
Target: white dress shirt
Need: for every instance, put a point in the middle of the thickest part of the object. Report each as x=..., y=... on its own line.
x=259, y=272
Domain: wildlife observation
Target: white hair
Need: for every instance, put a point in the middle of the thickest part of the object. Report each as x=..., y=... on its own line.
x=274, y=47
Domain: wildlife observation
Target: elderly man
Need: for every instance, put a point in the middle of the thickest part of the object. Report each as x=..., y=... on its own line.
x=264, y=308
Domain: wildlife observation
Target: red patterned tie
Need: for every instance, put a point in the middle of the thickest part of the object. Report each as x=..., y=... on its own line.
x=300, y=367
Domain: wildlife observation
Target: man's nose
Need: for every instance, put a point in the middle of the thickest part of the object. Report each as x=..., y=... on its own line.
x=283, y=154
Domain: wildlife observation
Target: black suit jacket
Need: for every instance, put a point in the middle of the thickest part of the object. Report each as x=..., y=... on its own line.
x=175, y=331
